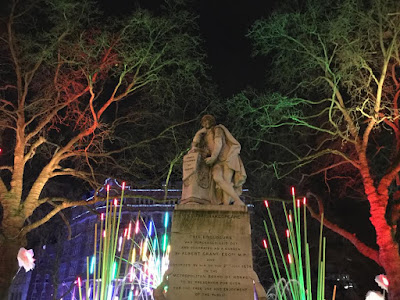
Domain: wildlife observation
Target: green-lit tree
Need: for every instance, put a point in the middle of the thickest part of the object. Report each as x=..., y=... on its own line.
x=80, y=93
x=333, y=112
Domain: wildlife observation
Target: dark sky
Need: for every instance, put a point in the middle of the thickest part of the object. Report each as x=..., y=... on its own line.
x=224, y=25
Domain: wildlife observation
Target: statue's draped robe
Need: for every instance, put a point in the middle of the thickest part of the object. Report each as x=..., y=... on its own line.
x=198, y=185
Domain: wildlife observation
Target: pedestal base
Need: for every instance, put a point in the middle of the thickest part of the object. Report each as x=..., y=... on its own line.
x=211, y=255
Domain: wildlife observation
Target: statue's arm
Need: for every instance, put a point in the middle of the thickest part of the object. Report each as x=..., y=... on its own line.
x=197, y=137
x=217, y=148
x=218, y=143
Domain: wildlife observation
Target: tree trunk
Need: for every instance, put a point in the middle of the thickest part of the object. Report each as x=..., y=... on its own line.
x=390, y=260
x=393, y=274
x=8, y=264
x=389, y=257
x=10, y=243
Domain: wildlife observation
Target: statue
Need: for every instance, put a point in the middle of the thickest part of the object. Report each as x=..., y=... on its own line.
x=213, y=172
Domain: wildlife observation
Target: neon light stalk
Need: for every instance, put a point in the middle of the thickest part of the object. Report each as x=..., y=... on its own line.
x=135, y=260
x=297, y=284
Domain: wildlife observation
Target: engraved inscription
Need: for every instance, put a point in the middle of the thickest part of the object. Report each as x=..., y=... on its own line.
x=190, y=164
x=212, y=265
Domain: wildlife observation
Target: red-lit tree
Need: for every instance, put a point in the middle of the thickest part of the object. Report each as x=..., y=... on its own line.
x=72, y=82
x=336, y=76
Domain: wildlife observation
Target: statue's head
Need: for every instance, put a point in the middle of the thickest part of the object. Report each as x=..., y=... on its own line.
x=208, y=121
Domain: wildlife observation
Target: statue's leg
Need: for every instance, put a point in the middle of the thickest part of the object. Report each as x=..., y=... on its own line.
x=227, y=197
x=223, y=177
x=228, y=177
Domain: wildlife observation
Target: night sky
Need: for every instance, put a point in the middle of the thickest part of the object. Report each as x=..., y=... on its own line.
x=224, y=26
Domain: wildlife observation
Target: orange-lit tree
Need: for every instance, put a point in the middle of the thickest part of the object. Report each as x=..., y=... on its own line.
x=335, y=78
x=72, y=82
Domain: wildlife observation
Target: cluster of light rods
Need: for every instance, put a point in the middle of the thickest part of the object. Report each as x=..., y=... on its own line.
x=145, y=263
x=296, y=262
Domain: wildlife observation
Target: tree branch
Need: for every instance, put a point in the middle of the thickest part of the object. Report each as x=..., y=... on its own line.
x=53, y=113
x=64, y=219
x=66, y=204
x=310, y=158
x=9, y=168
x=122, y=149
x=32, y=149
x=361, y=247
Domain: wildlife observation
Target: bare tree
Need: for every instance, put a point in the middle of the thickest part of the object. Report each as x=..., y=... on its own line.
x=72, y=82
x=335, y=70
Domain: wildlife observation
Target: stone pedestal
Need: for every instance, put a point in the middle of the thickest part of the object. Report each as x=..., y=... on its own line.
x=211, y=254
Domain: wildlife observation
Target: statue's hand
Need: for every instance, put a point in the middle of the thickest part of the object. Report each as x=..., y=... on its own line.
x=210, y=160
x=202, y=131
x=193, y=150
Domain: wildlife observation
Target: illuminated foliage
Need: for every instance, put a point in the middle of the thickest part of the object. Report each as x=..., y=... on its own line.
x=83, y=96
x=334, y=110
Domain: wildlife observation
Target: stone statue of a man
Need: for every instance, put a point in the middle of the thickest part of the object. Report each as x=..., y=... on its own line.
x=220, y=152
